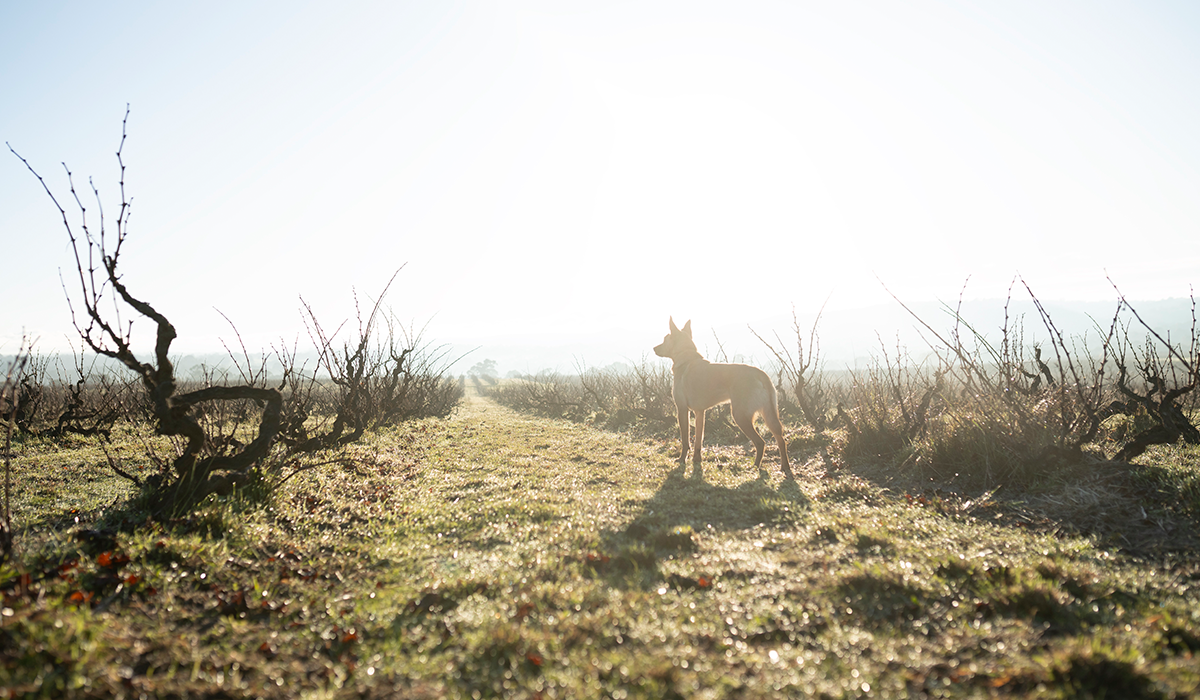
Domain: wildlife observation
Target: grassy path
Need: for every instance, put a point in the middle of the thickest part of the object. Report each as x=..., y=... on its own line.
x=497, y=555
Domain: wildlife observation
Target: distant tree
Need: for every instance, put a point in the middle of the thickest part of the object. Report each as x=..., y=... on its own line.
x=486, y=368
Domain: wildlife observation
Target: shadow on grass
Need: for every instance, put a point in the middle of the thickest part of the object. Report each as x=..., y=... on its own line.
x=684, y=505
x=1123, y=505
x=687, y=499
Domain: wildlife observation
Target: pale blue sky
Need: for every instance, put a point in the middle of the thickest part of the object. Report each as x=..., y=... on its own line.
x=551, y=168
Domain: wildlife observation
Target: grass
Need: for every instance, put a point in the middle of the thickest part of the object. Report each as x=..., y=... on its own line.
x=494, y=554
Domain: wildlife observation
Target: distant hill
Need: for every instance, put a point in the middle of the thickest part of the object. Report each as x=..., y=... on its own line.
x=848, y=337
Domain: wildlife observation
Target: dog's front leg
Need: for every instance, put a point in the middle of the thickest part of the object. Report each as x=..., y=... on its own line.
x=699, y=438
x=682, y=412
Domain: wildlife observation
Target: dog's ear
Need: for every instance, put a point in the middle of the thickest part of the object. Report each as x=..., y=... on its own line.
x=687, y=328
x=673, y=328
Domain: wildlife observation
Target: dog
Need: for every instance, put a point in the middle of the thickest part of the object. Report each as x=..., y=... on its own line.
x=699, y=385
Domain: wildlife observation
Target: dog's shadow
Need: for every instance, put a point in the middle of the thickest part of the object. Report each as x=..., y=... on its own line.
x=687, y=499
x=685, y=507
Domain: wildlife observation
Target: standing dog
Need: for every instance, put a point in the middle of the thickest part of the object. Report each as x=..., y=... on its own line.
x=699, y=385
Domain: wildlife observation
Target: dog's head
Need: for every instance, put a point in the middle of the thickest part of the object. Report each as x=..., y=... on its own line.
x=677, y=342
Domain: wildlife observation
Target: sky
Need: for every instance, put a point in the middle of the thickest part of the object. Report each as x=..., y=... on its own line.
x=553, y=172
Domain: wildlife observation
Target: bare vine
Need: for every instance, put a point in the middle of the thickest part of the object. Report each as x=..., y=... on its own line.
x=194, y=474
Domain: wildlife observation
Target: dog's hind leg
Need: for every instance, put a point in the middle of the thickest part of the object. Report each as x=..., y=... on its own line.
x=745, y=423
x=776, y=427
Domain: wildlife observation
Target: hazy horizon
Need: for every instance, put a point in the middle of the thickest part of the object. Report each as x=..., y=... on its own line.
x=847, y=339
x=545, y=172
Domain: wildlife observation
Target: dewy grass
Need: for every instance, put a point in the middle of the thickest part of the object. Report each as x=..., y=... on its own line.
x=498, y=555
